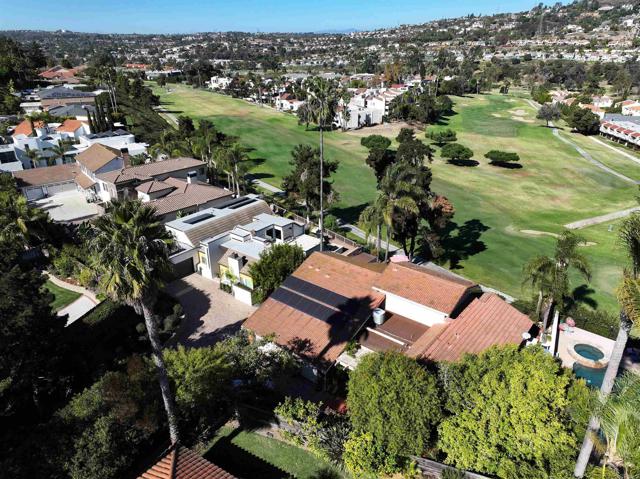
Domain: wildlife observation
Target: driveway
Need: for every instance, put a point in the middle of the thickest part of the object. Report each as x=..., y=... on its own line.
x=77, y=309
x=210, y=313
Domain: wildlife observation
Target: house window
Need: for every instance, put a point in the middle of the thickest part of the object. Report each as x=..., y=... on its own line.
x=278, y=233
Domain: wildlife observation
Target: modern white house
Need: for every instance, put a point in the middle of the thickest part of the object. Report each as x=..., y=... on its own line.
x=222, y=242
x=219, y=82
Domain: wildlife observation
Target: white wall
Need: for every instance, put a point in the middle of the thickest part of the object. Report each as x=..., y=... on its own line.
x=412, y=310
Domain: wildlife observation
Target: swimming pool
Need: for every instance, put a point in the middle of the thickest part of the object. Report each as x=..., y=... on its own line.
x=593, y=376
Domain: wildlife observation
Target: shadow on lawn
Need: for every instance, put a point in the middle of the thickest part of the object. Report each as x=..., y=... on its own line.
x=241, y=463
x=349, y=214
x=462, y=241
x=467, y=163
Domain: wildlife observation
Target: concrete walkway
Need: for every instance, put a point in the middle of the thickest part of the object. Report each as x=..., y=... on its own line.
x=170, y=117
x=591, y=159
x=596, y=220
x=623, y=153
x=81, y=306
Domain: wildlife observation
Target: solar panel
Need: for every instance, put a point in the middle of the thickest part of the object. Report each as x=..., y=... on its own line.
x=307, y=306
x=335, y=300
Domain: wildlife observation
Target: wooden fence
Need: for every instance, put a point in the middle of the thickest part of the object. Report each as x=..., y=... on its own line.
x=434, y=469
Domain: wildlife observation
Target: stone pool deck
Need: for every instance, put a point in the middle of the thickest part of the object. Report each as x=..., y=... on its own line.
x=580, y=336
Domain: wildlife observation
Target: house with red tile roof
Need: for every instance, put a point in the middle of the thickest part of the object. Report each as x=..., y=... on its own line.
x=425, y=312
x=179, y=462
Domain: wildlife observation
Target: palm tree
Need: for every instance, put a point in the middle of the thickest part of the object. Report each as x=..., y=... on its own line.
x=629, y=298
x=165, y=144
x=619, y=418
x=130, y=253
x=370, y=218
x=60, y=150
x=23, y=223
x=550, y=274
x=34, y=156
x=233, y=160
x=398, y=193
x=323, y=102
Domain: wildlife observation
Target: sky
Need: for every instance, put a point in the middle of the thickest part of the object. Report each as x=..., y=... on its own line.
x=189, y=16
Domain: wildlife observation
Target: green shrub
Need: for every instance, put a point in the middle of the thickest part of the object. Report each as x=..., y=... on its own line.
x=452, y=474
x=362, y=456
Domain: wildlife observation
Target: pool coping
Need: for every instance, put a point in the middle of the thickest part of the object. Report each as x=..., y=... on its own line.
x=599, y=364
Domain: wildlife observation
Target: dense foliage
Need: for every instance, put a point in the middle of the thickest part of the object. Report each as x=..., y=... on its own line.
x=520, y=408
x=395, y=401
x=274, y=266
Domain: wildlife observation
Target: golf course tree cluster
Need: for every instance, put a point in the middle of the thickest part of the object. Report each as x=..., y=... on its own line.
x=519, y=406
x=503, y=158
x=411, y=213
x=549, y=112
x=583, y=121
x=458, y=154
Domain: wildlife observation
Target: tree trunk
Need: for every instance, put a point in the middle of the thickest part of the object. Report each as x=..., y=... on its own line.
x=378, y=238
x=539, y=305
x=237, y=178
x=320, y=221
x=161, y=369
x=605, y=390
x=386, y=250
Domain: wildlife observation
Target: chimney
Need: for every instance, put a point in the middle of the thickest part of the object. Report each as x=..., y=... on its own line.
x=124, y=152
x=192, y=177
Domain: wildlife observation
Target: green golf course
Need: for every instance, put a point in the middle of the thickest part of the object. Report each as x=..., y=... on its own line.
x=504, y=216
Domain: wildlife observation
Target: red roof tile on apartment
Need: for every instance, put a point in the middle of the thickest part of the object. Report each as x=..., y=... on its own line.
x=437, y=290
x=486, y=322
x=182, y=463
x=26, y=127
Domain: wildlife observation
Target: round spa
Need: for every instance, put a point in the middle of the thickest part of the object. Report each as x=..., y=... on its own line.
x=590, y=363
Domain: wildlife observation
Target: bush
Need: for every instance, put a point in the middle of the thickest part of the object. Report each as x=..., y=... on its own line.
x=455, y=152
x=452, y=474
x=583, y=121
x=497, y=157
x=65, y=263
x=274, y=266
x=396, y=401
x=443, y=136
x=375, y=142
x=596, y=321
x=362, y=456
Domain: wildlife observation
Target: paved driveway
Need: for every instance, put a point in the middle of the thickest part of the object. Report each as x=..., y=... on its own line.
x=77, y=309
x=210, y=313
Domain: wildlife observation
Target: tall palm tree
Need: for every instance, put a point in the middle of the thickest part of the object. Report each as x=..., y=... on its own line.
x=629, y=298
x=620, y=425
x=233, y=159
x=60, y=150
x=372, y=218
x=164, y=145
x=550, y=274
x=24, y=224
x=398, y=193
x=130, y=253
x=323, y=100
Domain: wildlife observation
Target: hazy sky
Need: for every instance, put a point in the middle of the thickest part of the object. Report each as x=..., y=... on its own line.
x=185, y=16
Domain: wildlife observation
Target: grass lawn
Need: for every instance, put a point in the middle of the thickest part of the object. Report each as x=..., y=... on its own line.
x=61, y=297
x=248, y=455
x=498, y=210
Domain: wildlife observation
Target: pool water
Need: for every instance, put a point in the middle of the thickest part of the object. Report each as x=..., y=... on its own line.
x=593, y=376
x=589, y=352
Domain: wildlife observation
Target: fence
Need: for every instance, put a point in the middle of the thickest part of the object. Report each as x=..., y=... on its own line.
x=434, y=469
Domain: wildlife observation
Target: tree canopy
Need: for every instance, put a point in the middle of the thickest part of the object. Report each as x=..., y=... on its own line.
x=440, y=137
x=375, y=142
x=274, y=266
x=396, y=401
x=456, y=152
x=519, y=407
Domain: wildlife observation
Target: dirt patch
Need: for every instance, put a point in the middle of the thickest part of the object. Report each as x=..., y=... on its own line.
x=553, y=235
x=497, y=115
x=524, y=120
x=386, y=129
x=518, y=112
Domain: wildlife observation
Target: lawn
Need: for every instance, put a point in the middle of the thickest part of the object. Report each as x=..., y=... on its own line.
x=61, y=297
x=248, y=455
x=498, y=210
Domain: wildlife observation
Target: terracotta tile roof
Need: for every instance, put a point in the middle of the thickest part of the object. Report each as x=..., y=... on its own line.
x=97, y=156
x=186, y=195
x=26, y=127
x=69, y=126
x=182, y=463
x=46, y=175
x=312, y=338
x=150, y=170
x=487, y=321
x=437, y=290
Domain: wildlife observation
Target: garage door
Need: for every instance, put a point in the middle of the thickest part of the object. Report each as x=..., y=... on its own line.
x=183, y=268
x=33, y=194
x=60, y=188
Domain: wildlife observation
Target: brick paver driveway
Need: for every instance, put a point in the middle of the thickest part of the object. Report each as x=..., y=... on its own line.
x=210, y=313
